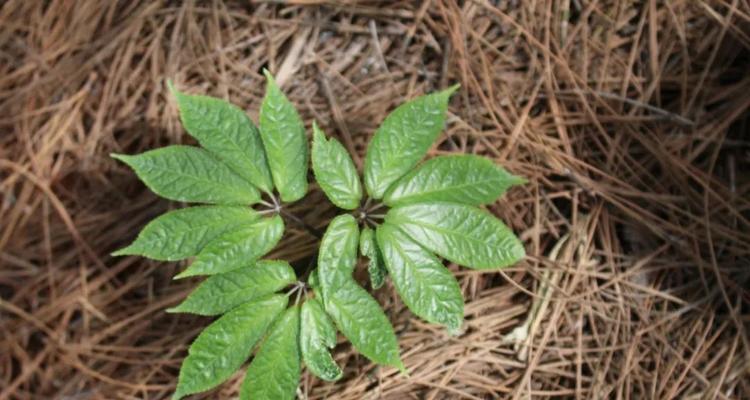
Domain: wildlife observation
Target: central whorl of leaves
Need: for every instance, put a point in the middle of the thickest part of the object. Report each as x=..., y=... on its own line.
x=428, y=212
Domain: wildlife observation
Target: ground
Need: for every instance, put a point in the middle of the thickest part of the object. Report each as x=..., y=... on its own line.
x=629, y=119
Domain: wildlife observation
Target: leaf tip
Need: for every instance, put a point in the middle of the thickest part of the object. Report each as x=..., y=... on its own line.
x=120, y=157
x=318, y=134
x=330, y=373
x=401, y=368
x=448, y=92
x=454, y=329
x=269, y=77
x=518, y=180
x=178, y=393
x=184, y=274
x=180, y=98
x=125, y=251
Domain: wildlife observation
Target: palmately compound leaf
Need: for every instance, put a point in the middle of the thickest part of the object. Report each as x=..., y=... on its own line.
x=182, y=233
x=226, y=131
x=423, y=283
x=337, y=256
x=225, y=344
x=317, y=337
x=335, y=171
x=359, y=317
x=221, y=293
x=403, y=139
x=463, y=234
x=368, y=247
x=465, y=179
x=237, y=248
x=275, y=371
x=284, y=139
x=185, y=173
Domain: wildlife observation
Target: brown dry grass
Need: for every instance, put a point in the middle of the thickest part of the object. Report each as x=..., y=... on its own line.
x=629, y=119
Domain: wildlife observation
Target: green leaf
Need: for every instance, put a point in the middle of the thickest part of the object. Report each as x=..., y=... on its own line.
x=314, y=283
x=359, y=317
x=424, y=284
x=284, y=139
x=462, y=234
x=317, y=336
x=465, y=179
x=403, y=139
x=275, y=371
x=313, y=280
x=368, y=247
x=225, y=344
x=183, y=233
x=237, y=248
x=227, y=132
x=184, y=173
x=221, y=293
x=335, y=171
x=337, y=256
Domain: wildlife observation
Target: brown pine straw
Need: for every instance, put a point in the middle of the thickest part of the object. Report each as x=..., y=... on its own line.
x=630, y=120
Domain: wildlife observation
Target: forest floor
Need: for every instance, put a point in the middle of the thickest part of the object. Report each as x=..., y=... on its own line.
x=629, y=119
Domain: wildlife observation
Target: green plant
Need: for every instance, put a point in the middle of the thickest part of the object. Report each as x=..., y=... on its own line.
x=433, y=212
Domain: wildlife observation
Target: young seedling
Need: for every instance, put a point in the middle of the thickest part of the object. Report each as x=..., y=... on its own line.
x=414, y=216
